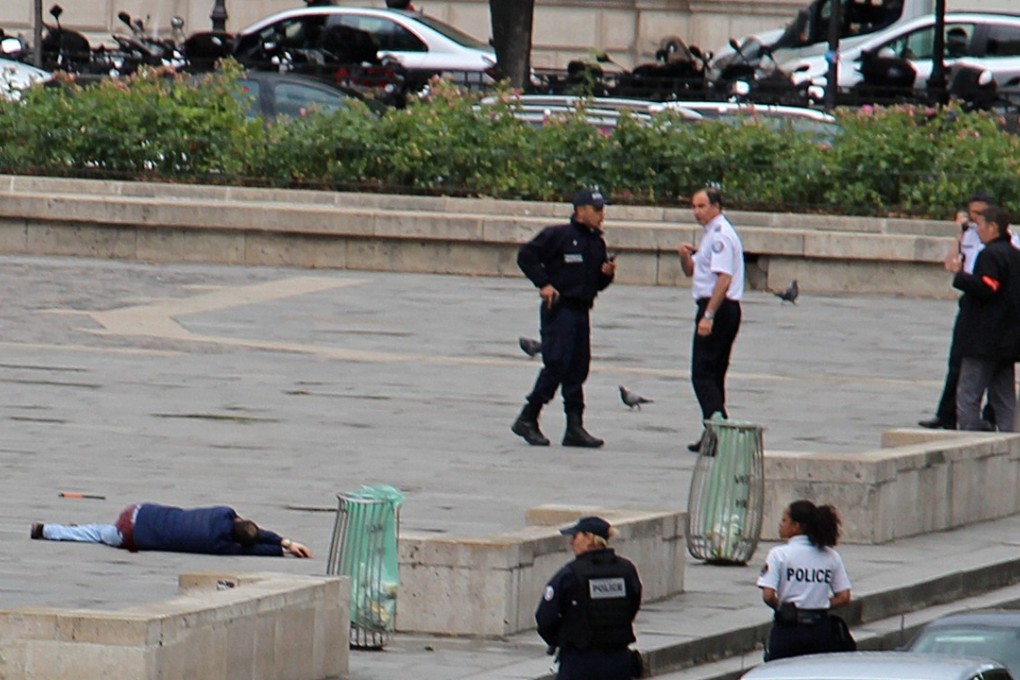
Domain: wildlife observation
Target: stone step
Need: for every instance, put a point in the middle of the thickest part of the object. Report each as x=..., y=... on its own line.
x=890, y=632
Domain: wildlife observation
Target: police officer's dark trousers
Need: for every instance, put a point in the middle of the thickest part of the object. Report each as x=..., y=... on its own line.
x=788, y=640
x=710, y=356
x=566, y=355
x=595, y=664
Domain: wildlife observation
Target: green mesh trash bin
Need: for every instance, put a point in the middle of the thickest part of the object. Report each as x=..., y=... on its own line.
x=724, y=507
x=364, y=547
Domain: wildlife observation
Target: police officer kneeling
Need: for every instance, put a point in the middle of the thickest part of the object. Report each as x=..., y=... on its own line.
x=589, y=607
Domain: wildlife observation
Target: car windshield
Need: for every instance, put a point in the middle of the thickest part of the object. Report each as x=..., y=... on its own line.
x=1001, y=644
x=452, y=33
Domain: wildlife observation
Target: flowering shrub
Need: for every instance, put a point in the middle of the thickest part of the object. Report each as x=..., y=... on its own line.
x=156, y=125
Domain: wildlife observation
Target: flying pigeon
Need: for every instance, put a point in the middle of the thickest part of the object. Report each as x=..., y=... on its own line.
x=530, y=346
x=790, y=294
x=632, y=399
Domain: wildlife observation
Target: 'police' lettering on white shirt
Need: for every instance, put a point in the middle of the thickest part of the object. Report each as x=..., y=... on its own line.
x=809, y=575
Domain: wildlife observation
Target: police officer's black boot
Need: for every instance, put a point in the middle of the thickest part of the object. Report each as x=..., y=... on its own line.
x=576, y=435
x=526, y=426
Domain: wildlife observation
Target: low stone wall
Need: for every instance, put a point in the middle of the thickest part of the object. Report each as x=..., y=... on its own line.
x=222, y=625
x=236, y=225
x=490, y=586
x=919, y=482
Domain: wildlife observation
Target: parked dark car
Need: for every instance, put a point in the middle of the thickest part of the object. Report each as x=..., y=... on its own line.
x=285, y=94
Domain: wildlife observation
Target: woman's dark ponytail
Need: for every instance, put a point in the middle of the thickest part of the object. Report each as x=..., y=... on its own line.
x=821, y=524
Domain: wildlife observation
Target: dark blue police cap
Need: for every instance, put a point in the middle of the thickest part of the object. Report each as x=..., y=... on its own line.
x=592, y=197
x=588, y=525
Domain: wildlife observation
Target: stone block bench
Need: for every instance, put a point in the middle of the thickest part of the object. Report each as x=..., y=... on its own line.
x=490, y=586
x=250, y=626
x=248, y=226
x=920, y=481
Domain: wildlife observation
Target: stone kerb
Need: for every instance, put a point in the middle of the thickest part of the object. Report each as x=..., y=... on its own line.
x=503, y=575
x=920, y=482
x=221, y=625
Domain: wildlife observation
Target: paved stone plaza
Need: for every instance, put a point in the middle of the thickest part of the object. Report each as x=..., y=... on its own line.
x=273, y=389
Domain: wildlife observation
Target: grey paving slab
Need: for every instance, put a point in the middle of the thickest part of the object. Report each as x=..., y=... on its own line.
x=273, y=389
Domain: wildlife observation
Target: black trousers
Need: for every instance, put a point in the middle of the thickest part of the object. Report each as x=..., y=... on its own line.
x=595, y=664
x=566, y=355
x=710, y=356
x=796, y=640
x=946, y=411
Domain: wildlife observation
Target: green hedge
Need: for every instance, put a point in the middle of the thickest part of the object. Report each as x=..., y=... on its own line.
x=894, y=161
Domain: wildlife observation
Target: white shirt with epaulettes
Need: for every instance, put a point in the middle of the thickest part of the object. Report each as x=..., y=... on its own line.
x=804, y=574
x=720, y=252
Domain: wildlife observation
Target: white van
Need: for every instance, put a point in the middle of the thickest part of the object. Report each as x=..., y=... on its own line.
x=808, y=34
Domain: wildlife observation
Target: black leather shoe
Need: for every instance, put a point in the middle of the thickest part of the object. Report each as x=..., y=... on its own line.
x=936, y=423
x=695, y=447
x=528, y=429
x=36, y=532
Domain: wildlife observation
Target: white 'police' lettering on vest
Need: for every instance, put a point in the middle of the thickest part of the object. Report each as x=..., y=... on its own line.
x=607, y=588
x=809, y=575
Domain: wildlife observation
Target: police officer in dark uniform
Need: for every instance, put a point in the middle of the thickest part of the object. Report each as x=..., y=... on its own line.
x=588, y=608
x=569, y=266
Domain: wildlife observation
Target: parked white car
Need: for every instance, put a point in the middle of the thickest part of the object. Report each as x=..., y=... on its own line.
x=413, y=39
x=16, y=76
x=983, y=40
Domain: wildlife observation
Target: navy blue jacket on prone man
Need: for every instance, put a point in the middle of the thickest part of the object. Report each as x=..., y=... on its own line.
x=149, y=526
x=200, y=530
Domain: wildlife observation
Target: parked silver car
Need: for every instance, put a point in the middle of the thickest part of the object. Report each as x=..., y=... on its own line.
x=988, y=633
x=414, y=40
x=879, y=666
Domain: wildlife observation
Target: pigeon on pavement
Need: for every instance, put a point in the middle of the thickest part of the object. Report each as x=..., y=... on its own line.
x=632, y=399
x=790, y=294
x=530, y=346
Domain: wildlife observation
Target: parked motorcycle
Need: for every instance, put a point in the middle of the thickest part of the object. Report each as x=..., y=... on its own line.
x=679, y=72
x=13, y=48
x=757, y=80
x=886, y=79
x=64, y=49
x=143, y=48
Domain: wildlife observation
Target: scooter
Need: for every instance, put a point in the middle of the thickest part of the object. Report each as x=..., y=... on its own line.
x=679, y=72
x=13, y=48
x=143, y=48
x=64, y=49
x=755, y=81
x=886, y=79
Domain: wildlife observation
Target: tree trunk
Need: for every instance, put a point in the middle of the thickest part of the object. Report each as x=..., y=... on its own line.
x=511, y=36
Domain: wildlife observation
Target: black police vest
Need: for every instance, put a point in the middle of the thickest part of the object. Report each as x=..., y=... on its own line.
x=601, y=613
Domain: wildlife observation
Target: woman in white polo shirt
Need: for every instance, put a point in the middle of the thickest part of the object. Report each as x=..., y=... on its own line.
x=803, y=580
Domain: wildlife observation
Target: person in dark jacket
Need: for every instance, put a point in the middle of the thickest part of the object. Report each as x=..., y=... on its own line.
x=148, y=526
x=989, y=324
x=569, y=266
x=588, y=608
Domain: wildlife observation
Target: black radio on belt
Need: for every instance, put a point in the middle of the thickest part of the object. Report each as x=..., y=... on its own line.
x=789, y=615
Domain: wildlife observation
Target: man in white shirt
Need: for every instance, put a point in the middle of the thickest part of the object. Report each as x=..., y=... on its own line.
x=717, y=268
